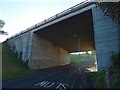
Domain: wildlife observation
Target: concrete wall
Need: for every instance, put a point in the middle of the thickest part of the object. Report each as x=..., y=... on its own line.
x=106, y=38
x=37, y=52
x=22, y=44
x=46, y=54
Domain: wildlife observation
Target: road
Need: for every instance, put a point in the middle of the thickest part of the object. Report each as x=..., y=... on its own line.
x=62, y=78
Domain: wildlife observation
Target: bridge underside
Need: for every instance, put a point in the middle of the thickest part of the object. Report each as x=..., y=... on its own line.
x=52, y=45
x=62, y=33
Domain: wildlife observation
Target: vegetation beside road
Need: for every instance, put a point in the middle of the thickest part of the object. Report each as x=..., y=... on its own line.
x=11, y=66
x=99, y=79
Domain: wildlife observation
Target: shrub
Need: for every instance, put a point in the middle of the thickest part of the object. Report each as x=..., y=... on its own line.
x=116, y=59
x=115, y=72
x=99, y=79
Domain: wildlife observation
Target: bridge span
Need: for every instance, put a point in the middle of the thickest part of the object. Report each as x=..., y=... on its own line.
x=50, y=42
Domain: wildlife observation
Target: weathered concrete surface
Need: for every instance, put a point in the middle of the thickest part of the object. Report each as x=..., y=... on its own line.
x=37, y=52
x=46, y=54
x=22, y=46
x=106, y=38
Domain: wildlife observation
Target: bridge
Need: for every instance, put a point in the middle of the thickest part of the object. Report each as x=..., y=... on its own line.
x=50, y=42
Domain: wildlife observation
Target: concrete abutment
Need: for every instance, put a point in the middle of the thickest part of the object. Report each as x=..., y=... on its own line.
x=46, y=54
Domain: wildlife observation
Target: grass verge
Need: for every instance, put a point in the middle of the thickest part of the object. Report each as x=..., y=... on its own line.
x=113, y=74
x=99, y=79
x=12, y=67
x=83, y=57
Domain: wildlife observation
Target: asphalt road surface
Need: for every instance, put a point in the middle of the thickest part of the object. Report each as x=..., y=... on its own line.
x=62, y=78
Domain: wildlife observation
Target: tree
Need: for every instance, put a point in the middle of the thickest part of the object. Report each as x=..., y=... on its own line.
x=111, y=9
x=2, y=23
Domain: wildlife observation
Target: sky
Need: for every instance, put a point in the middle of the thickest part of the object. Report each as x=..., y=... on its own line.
x=21, y=14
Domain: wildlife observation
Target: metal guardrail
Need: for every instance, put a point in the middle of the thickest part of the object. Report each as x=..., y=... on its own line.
x=61, y=14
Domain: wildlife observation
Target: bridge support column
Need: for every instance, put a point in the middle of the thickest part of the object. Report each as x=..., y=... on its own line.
x=106, y=38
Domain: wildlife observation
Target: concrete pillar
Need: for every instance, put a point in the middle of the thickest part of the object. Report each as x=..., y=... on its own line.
x=106, y=38
x=46, y=54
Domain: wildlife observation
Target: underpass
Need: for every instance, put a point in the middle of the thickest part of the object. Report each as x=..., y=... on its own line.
x=49, y=43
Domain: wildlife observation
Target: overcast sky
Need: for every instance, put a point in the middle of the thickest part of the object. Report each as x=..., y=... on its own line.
x=21, y=14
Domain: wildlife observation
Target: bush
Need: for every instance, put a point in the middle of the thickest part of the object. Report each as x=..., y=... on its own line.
x=116, y=59
x=99, y=79
x=115, y=72
x=115, y=82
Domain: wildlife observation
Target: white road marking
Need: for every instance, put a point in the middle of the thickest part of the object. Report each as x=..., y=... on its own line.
x=41, y=83
x=47, y=84
x=62, y=86
x=58, y=86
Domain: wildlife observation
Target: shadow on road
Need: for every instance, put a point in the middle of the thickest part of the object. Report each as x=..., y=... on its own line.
x=83, y=79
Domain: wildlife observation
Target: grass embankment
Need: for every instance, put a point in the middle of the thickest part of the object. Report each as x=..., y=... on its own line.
x=83, y=57
x=99, y=79
x=11, y=66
